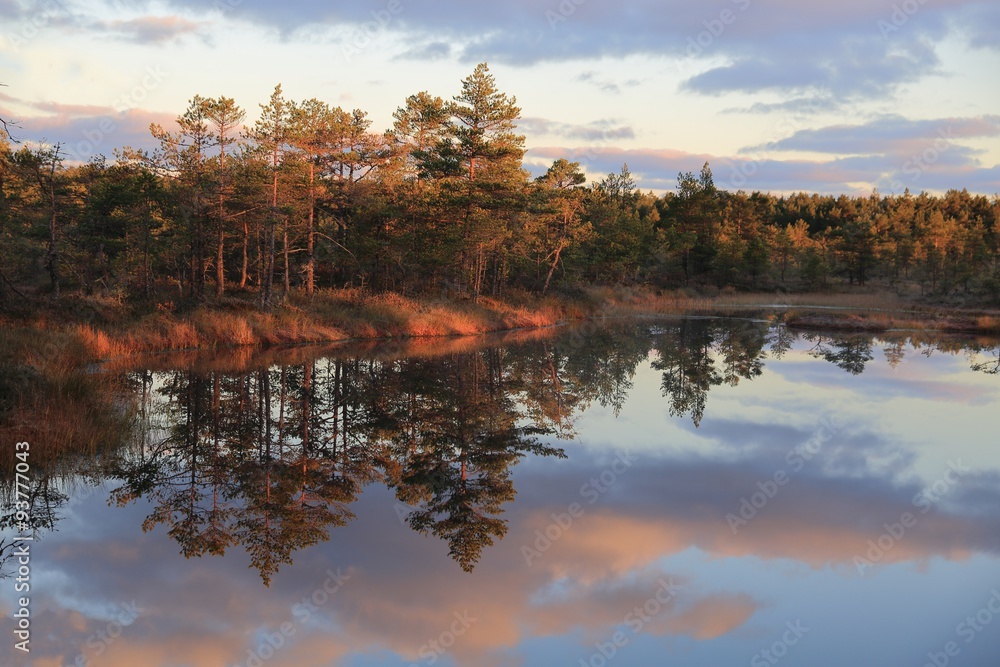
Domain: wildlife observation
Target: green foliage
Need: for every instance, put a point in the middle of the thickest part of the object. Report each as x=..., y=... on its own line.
x=311, y=197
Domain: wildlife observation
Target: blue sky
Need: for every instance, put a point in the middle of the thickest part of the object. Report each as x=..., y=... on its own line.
x=777, y=95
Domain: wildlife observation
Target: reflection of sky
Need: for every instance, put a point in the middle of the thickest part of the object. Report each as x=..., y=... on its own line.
x=663, y=519
x=929, y=409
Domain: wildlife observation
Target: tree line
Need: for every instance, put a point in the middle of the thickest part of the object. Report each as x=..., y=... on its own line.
x=310, y=197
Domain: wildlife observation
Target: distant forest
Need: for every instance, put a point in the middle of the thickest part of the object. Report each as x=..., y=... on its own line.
x=309, y=197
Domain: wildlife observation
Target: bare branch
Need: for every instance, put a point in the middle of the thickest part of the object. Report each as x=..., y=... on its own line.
x=5, y=125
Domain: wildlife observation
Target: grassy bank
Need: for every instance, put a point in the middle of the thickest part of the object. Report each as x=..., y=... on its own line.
x=74, y=332
x=862, y=311
x=64, y=335
x=44, y=348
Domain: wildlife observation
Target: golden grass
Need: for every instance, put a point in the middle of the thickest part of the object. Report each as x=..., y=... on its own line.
x=78, y=413
x=331, y=316
x=909, y=320
x=46, y=399
x=988, y=324
x=681, y=301
x=242, y=359
x=98, y=343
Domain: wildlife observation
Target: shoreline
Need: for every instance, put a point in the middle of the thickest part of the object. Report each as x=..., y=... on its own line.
x=98, y=331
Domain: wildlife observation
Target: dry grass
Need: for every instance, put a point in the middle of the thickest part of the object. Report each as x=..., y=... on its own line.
x=46, y=398
x=682, y=301
x=337, y=315
x=870, y=311
x=330, y=316
x=243, y=359
x=99, y=344
x=909, y=320
x=988, y=324
x=74, y=414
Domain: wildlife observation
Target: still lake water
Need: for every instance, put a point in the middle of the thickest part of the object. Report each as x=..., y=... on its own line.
x=677, y=492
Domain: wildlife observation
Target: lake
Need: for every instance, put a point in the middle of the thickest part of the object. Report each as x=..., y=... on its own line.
x=647, y=492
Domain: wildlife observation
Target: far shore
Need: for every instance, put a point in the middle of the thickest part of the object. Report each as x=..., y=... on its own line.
x=76, y=330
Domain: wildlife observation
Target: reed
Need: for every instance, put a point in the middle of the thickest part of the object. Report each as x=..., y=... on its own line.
x=331, y=316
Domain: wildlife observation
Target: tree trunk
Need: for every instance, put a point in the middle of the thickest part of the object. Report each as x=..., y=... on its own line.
x=52, y=252
x=552, y=269
x=284, y=245
x=246, y=254
x=310, y=240
x=220, y=272
x=52, y=255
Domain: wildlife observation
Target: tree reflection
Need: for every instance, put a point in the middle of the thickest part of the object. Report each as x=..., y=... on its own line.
x=850, y=352
x=461, y=450
x=270, y=453
x=696, y=355
x=991, y=366
x=272, y=459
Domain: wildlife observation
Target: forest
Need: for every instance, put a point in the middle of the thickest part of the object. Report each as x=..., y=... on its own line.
x=311, y=197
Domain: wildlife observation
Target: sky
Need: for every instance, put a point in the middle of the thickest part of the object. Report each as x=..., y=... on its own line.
x=777, y=95
x=662, y=519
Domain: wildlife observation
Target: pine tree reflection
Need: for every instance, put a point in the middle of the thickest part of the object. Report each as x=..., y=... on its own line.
x=268, y=454
x=275, y=468
x=852, y=352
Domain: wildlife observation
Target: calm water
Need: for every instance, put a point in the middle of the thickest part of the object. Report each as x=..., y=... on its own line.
x=696, y=492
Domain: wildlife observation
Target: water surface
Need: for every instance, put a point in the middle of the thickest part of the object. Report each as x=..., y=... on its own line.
x=689, y=492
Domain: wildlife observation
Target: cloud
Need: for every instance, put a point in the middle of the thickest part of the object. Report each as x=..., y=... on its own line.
x=580, y=590
x=598, y=130
x=430, y=51
x=982, y=26
x=797, y=106
x=657, y=170
x=774, y=45
x=57, y=108
x=10, y=10
x=854, y=65
x=823, y=519
x=27, y=22
x=150, y=29
x=890, y=134
x=892, y=153
x=607, y=604
x=85, y=131
x=23, y=22
x=607, y=85
x=713, y=617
